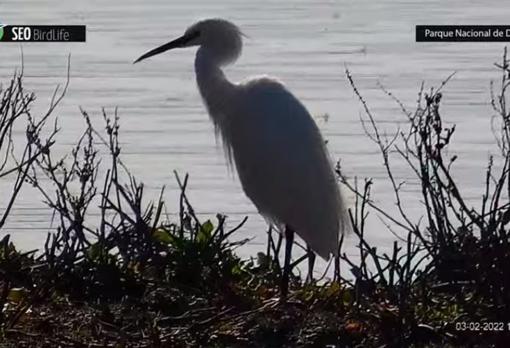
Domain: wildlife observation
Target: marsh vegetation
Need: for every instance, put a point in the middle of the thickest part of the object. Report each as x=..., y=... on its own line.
x=140, y=277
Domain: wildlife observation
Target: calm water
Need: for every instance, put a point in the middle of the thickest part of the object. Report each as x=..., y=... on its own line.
x=306, y=44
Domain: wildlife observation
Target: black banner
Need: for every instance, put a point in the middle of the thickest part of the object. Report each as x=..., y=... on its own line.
x=462, y=33
x=43, y=33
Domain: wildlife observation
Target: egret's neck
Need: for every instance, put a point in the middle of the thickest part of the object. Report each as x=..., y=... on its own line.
x=214, y=87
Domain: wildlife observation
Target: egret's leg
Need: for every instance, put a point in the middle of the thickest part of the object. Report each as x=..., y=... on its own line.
x=311, y=263
x=289, y=240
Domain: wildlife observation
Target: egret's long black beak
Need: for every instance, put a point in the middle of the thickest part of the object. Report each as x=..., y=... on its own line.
x=180, y=42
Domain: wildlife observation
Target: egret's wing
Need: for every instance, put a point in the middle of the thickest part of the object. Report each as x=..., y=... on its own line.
x=283, y=164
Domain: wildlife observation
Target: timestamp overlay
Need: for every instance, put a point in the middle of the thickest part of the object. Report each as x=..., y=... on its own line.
x=482, y=326
x=43, y=33
x=463, y=33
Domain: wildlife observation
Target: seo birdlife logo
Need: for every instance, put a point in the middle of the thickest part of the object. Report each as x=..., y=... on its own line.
x=42, y=33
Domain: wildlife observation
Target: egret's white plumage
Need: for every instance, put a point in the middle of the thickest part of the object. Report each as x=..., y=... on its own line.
x=271, y=138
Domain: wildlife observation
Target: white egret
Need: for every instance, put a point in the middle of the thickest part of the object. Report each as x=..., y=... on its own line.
x=278, y=151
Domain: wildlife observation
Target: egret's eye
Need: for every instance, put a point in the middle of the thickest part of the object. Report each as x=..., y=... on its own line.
x=194, y=34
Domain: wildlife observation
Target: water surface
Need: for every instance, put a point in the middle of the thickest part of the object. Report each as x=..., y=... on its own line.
x=306, y=44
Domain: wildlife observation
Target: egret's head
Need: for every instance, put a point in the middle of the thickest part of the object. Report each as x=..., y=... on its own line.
x=221, y=38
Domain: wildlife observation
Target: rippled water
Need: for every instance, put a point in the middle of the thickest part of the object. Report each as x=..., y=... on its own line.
x=306, y=44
